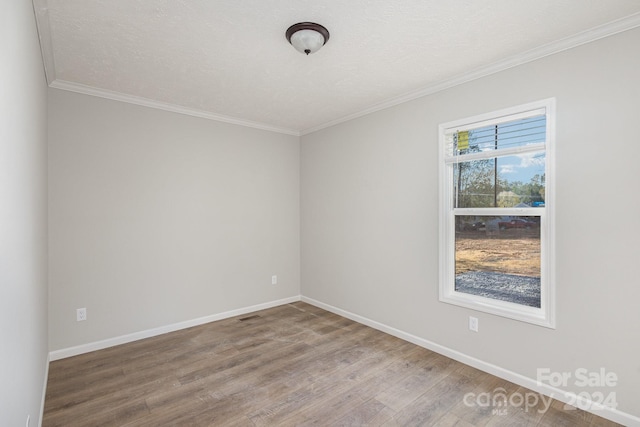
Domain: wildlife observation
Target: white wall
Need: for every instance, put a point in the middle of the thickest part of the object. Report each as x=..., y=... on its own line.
x=369, y=209
x=158, y=218
x=23, y=217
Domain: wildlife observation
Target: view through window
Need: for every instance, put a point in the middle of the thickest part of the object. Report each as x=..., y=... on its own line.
x=503, y=264
x=496, y=223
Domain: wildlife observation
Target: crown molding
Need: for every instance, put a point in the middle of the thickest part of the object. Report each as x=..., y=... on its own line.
x=131, y=99
x=41, y=13
x=42, y=22
x=597, y=33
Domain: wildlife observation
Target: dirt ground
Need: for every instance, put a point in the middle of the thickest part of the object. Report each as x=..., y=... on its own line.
x=509, y=251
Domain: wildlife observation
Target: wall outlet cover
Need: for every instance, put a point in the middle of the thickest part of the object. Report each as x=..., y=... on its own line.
x=473, y=324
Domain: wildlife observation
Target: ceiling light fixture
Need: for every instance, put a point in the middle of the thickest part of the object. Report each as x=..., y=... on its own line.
x=307, y=37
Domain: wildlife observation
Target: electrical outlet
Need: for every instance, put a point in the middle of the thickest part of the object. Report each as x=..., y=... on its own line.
x=81, y=314
x=274, y=280
x=473, y=324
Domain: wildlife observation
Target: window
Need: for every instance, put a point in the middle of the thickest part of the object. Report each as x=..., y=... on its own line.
x=496, y=212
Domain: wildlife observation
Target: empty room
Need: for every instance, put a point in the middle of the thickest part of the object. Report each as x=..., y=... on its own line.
x=363, y=213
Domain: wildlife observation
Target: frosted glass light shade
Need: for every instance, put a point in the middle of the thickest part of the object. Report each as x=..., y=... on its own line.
x=307, y=37
x=307, y=41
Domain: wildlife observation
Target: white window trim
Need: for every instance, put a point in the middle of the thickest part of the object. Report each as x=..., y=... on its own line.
x=545, y=315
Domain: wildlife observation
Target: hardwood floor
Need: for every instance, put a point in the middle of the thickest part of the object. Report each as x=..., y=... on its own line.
x=290, y=365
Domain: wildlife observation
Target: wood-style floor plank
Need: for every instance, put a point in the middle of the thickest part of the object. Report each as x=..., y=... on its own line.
x=292, y=365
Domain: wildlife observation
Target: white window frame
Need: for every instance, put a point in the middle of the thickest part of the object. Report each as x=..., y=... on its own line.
x=545, y=315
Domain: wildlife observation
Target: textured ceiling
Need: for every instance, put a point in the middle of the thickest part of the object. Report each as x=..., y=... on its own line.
x=230, y=59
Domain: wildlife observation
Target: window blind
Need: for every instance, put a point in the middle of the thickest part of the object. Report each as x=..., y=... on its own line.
x=504, y=136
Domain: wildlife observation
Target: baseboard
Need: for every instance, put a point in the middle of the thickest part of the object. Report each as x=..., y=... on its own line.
x=44, y=389
x=609, y=413
x=530, y=383
x=123, y=339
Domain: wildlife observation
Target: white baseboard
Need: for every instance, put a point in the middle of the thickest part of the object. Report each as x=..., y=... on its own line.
x=530, y=383
x=609, y=413
x=44, y=389
x=123, y=339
